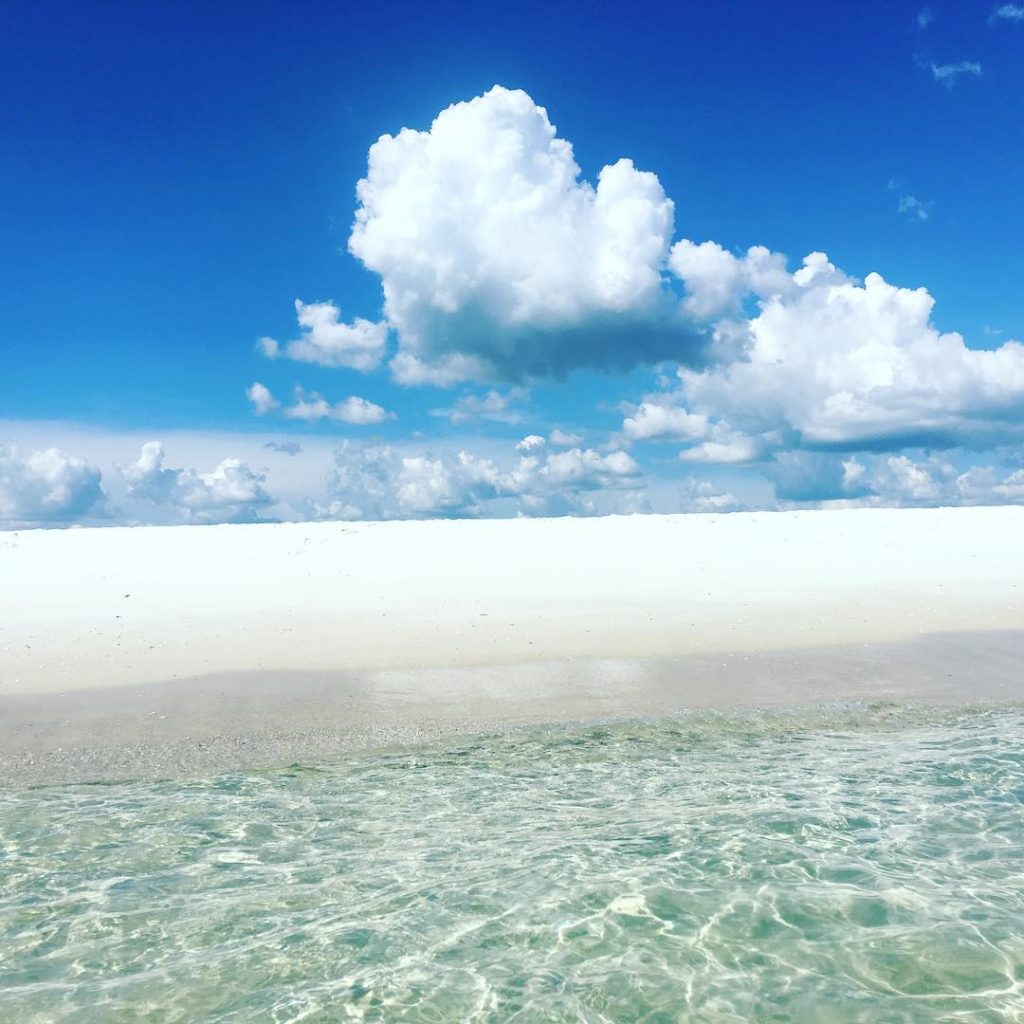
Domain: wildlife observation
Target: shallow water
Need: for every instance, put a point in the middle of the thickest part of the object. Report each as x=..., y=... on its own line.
x=860, y=864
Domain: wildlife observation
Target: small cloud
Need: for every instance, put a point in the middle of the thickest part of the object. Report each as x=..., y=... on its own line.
x=702, y=496
x=284, y=447
x=925, y=17
x=310, y=406
x=914, y=208
x=532, y=442
x=262, y=400
x=947, y=74
x=328, y=341
x=990, y=330
x=1007, y=12
x=655, y=421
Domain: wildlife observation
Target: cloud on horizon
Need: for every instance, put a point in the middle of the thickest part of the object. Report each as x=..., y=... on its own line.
x=382, y=482
x=917, y=479
x=46, y=488
x=230, y=493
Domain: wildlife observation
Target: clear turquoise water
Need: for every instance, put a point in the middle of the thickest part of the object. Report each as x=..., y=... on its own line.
x=829, y=865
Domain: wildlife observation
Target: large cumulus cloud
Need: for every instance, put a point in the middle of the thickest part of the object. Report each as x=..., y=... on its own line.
x=827, y=362
x=497, y=260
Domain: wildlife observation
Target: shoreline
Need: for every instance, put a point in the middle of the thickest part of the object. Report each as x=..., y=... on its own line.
x=237, y=721
x=282, y=641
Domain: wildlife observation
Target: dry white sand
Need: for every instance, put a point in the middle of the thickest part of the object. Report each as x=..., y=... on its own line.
x=116, y=638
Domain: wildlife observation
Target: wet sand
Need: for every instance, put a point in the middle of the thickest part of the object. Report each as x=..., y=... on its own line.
x=234, y=721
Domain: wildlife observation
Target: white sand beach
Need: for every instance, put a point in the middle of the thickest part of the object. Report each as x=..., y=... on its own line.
x=272, y=641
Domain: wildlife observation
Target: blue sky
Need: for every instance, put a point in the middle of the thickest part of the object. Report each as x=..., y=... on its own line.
x=176, y=176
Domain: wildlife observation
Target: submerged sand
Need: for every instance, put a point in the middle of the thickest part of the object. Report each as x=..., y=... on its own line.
x=182, y=649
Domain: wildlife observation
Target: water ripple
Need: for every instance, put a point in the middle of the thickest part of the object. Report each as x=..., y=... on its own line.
x=857, y=864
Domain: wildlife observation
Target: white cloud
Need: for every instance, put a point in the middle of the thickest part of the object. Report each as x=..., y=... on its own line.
x=914, y=208
x=310, y=406
x=294, y=464
x=925, y=17
x=853, y=475
x=494, y=253
x=360, y=411
x=985, y=485
x=47, y=487
x=1007, y=12
x=728, y=448
x=703, y=496
x=531, y=442
x=232, y=492
x=891, y=480
x=382, y=482
x=498, y=263
x=831, y=362
x=653, y=421
x=442, y=372
x=564, y=439
x=583, y=467
x=716, y=280
x=326, y=341
x=262, y=400
x=911, y=482
x=501, y=407
x=947, y=74
x=814, y=477
x=900, y=480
